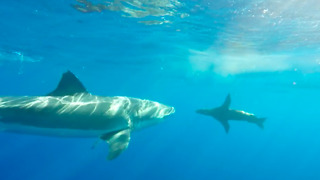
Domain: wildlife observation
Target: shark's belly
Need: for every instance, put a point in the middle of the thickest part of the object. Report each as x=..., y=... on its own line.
x=61, y=126
x=53, y=121
x=61, y=132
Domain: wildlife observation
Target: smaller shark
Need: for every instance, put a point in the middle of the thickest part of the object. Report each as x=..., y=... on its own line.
x=223, y=114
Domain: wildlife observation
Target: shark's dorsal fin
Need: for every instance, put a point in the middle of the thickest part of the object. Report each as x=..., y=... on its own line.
x=118, y=142
x=227, y=102
x=68, y=85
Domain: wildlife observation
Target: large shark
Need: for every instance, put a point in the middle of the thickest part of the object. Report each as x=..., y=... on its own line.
x=223, y=114
x=71, y=111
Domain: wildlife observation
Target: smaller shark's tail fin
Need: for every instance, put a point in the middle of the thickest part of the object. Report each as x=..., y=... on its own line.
x=227, y=102
x=260, y=122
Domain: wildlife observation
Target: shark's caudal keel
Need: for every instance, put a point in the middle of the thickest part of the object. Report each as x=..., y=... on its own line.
x=223, y=114
x=71, y=111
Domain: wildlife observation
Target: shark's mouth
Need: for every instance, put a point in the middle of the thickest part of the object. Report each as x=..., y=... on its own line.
x=166, y=112
x=171, y=111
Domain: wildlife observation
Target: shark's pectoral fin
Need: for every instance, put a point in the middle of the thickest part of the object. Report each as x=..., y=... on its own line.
x=225, y=124
x=118, y=142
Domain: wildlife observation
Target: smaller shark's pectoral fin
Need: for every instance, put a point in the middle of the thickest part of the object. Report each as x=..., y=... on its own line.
x=118, y=142
x=225, y=124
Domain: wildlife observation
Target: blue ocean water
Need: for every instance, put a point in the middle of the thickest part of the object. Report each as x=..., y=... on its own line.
x=188, y=54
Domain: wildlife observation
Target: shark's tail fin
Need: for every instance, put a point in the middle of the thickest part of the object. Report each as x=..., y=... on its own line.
x=260, y=122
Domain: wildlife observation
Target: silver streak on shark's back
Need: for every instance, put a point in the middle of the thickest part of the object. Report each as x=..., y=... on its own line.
x=71, y=111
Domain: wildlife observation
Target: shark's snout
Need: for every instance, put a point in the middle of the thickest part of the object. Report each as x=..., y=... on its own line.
x=203, y=111
x=172, y=110
x=199, y=111
x=169, y=110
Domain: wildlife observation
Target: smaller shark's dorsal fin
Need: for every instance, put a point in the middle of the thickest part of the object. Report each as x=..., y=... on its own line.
x=68, y=85
x=227, y=102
